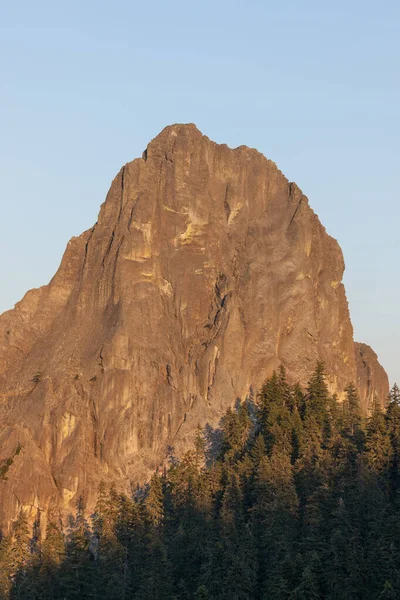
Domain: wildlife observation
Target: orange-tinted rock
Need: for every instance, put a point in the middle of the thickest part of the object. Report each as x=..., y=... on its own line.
x=372, y=379
x=205, y=271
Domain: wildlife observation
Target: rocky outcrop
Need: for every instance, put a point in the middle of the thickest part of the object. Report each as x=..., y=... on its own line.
x=206, y=269
x=372, y=380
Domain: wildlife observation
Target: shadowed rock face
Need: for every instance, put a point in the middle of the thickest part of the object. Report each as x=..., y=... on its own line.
x=205, y=271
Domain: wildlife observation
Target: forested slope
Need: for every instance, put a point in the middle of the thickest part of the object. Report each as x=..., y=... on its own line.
x=295, y=497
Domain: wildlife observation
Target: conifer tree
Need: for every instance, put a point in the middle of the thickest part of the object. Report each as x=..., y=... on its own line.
x=394, y=395
x=316, y=401
x=155, y=577
x=111, y=580
x=388, y=593
x=154, y=502
x=393, y=425
x=78, y=573
x=130, y=533
x=201, y=593
x=272, y=394
x=20, y=554
x=352, y=414
x=301, y=503
x=257, y=451
x=53, y=553
x=236, y=425
x=309, y=587
x=199, y=448
x=377, y=443
x=276, y=405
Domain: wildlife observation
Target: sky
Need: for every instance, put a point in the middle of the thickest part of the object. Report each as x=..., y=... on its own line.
x=315, y=86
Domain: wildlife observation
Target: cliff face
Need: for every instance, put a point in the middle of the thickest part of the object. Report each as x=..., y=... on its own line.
x=205, y=271
x=372, y=380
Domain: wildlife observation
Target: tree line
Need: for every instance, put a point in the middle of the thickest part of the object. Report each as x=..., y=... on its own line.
x=295, y=497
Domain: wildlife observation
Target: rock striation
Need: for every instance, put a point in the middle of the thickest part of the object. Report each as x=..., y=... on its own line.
x=206, y=270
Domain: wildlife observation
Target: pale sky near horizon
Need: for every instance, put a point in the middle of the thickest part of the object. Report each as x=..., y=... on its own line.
x=85, y=85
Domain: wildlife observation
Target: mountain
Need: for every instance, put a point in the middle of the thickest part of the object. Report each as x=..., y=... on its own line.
x=205, y=271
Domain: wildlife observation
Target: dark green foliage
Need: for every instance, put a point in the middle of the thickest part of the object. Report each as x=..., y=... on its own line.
x=302, y=502
x=78, y=572
x=37, y=378
x=201, y=593
x=377, y=444
x=393, y=424
x=315, y=403
x=236, y=425
x=52, y=555
x=388, y=593
x=6, y=464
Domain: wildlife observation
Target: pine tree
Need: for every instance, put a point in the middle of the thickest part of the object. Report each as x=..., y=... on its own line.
x=130, y=533
x=110, y=554
x=154, y=503
x=258, y=451
x=388, y=593
x=77, y=579
x=20, y=554
x=309, y=587
x=155, y=574
x=236, y=425
x=377, y=443
x=276, y=408
x=352, y=414
x=316, y=402
x=271, y=393
x=317, y=434
x=394, y=395
x=199, y=448
x=53, y=553
x=393, y=425
x=201, y=593
x=297, y=435
x=230, y=573
x=274, y=514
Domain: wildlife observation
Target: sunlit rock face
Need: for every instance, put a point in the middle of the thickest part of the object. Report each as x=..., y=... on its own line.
x=372, y=380
x=206, y=270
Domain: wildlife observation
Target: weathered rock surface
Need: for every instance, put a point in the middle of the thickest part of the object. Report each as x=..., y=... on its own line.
x=205, y=271
x=372, y=380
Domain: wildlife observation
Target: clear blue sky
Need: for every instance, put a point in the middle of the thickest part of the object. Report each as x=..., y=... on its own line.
x=84, y=85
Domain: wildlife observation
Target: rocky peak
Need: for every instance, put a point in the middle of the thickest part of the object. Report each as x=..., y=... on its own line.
x=206, y=270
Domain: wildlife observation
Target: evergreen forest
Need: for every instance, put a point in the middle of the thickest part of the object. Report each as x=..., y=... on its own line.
x=296, y=496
